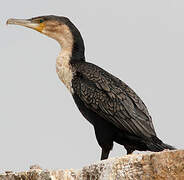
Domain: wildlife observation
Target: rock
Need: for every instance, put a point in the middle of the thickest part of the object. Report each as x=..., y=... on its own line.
x=166, y=165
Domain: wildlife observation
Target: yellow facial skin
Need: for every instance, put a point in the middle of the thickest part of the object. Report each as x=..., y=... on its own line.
x=27, y=23
x=40, y=27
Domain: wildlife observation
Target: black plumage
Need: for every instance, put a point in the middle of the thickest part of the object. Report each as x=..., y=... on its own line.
x=110, y=105
x=114, y=109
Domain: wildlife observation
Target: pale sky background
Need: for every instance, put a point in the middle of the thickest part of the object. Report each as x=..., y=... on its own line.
x=139, y=41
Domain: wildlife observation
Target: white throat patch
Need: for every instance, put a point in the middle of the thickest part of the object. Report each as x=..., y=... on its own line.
x=64, y=69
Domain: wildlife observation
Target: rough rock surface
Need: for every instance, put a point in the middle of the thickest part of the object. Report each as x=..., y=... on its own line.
x=167, y=165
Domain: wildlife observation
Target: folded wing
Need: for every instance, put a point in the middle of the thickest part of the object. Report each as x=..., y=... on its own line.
x=113, y=100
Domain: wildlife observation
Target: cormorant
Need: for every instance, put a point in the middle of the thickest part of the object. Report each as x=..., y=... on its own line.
x=110, y=105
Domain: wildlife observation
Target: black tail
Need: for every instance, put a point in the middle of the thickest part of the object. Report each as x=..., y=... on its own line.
x=157, y=145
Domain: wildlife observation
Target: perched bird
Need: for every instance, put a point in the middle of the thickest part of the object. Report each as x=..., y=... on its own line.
x=111, y=106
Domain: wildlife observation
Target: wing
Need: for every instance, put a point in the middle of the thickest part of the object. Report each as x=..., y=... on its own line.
x=112, y=99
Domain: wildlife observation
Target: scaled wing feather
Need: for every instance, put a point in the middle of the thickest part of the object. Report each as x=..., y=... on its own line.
x=113, y=100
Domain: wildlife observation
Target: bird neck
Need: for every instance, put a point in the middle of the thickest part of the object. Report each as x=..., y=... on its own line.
x=78, y=48
x=64, y=69
x=73, y=48
x=71, y=43
x=72, y=51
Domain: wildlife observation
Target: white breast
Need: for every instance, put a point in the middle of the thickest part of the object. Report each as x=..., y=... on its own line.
x=64, y=69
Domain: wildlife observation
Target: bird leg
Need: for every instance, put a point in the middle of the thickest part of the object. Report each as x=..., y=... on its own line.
x=105, y=153
x=129, y=149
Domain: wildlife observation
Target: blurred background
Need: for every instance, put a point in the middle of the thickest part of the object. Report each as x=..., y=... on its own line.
x=141, y=42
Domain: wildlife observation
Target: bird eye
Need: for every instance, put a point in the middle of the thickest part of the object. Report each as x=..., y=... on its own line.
x=41, y=20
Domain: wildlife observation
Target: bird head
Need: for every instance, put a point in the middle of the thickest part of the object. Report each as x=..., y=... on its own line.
x=57, y=27
x=52, y=26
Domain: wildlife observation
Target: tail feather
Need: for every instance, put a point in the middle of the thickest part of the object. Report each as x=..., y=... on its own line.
x=157, y=145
